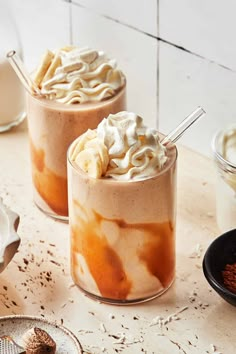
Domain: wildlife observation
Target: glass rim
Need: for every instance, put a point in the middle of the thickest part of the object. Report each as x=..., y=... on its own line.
x=113, y=180
x=216, y=153
x=78, y=106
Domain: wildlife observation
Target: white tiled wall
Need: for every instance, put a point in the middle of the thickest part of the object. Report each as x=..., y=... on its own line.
x=204, y=73
x=205, y=27
x=140, y=14
x=197, y=53
x=135, y=52
x=188, y=81
x=42, y=24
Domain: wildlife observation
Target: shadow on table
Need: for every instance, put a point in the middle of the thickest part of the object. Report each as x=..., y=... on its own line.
x=22, y=127
x=10, y=302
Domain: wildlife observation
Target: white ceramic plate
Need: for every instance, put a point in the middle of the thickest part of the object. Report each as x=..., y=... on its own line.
x=9, y=239
x=15, y=326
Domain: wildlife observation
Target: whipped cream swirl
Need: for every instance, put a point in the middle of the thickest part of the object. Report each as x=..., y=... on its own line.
x=80, y=75
x=125, y=149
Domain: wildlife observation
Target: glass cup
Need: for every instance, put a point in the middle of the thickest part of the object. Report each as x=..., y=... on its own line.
x=224, y=150
x=52, y=127
x=123, y=233
x=12, y=98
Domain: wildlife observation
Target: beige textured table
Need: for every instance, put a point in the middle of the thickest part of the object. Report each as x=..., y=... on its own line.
x=38, y=282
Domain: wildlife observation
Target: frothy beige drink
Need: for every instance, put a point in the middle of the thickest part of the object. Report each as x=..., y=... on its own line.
x=80, y=87
x=122, y=211
x=12, y=98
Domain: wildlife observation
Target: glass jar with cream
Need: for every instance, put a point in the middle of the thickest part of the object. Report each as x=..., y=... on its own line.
x=224, y=150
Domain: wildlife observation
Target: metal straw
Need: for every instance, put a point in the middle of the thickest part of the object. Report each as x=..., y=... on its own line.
x=21, y=72
x=175, y=134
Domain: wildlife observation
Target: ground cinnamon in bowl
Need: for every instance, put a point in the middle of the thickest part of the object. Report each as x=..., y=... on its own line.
x=229, y=277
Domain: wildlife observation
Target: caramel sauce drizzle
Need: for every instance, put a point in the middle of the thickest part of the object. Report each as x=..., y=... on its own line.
x=51, y=187
x=103, y=262
x=105, y=265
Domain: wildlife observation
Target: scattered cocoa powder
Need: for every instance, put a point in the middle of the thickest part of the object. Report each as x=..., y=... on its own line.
x=229, y=277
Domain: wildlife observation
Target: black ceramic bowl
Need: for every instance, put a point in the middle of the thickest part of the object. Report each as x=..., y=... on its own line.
x=221, y=251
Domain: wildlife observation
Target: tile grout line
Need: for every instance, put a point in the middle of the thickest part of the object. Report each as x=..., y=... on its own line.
x=71, y=24
x=159, y=39
x=70, y=21
x=193, y=53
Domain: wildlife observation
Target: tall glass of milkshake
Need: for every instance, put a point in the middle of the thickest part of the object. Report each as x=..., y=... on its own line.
x=80, y=87
x=122, y=205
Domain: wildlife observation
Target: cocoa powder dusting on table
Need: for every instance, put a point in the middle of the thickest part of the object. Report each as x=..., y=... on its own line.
x=229, y=277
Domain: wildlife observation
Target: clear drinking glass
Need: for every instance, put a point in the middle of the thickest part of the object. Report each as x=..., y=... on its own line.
x=224, y=150
x=52, y=127
x=12, y=98
x=123, y=233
